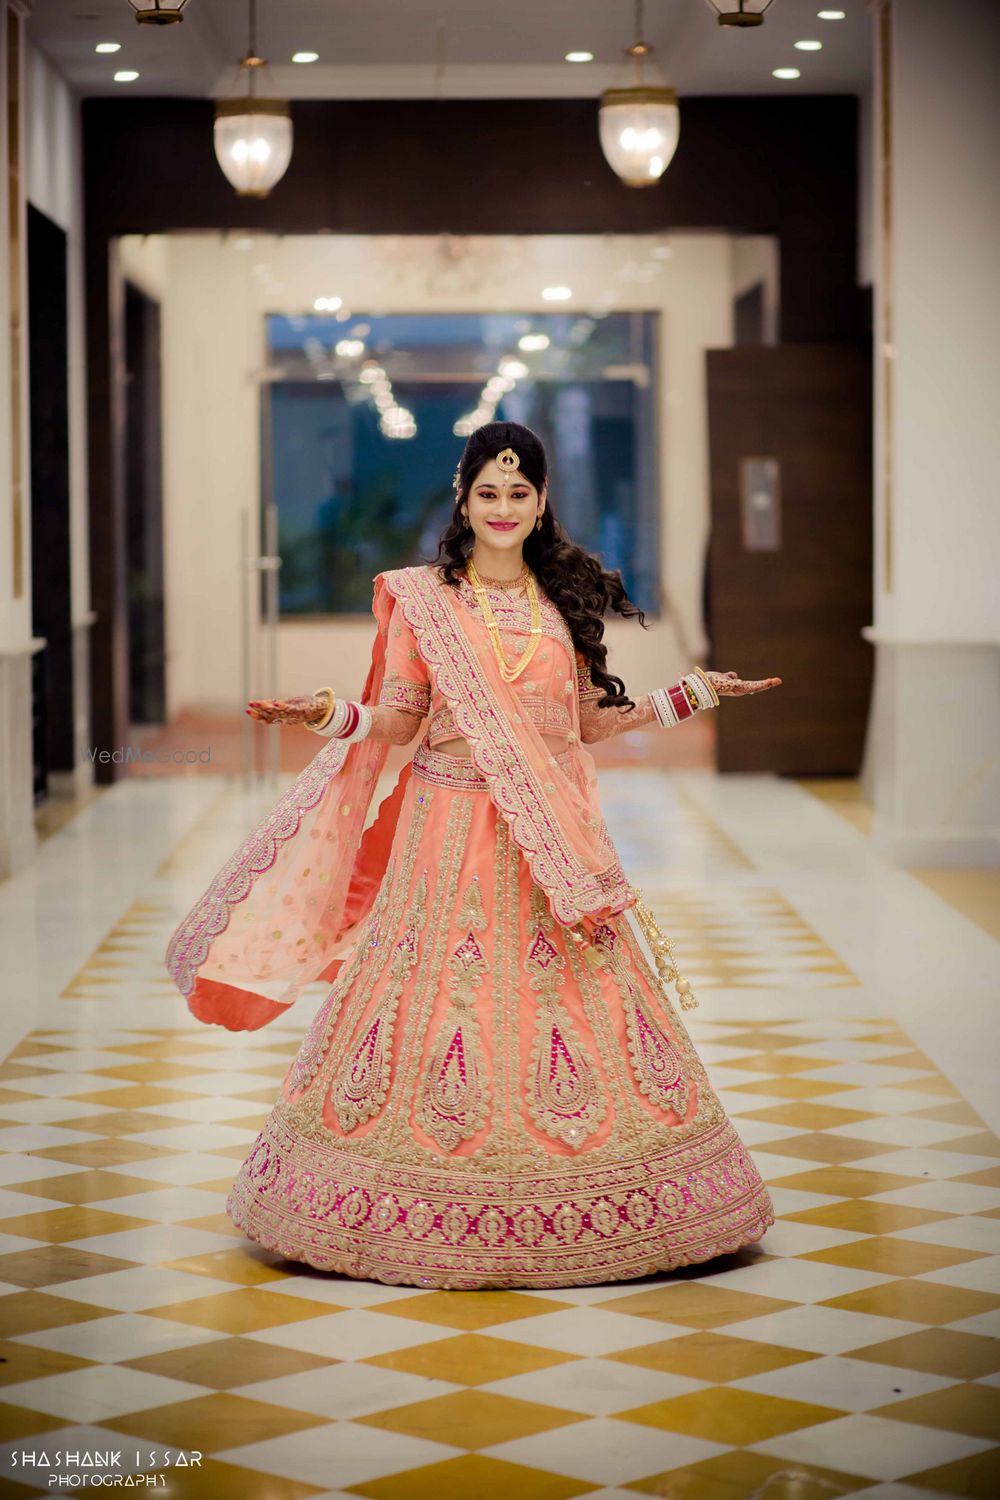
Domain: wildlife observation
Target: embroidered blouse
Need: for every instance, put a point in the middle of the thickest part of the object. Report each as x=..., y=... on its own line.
x=556, y=671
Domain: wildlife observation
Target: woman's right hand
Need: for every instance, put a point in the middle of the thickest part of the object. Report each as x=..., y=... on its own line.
x=288, y=710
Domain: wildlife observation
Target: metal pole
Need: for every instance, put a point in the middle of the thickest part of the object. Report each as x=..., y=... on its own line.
x=246, y=723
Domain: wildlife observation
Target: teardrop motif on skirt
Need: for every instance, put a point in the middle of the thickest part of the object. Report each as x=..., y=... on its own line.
x=564, y=1098
x=452, y=1103
x=354, y=1094
x=656, y=1061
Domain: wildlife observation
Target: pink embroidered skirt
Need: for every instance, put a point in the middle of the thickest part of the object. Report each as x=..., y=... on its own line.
x=475, y=1106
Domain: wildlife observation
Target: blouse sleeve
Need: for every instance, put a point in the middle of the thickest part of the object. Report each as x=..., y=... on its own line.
x=406, y=684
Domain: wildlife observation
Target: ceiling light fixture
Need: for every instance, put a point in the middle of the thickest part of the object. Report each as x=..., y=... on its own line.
x=305, y=57
x=579, y=57
x=108, y=47
x=832, y=15
x=740, y=12
x=253, y=136
x=809, y=46
x=785, y=73
x=639, y=123
x=159, y=12
x=126, y=75
x=556, y=293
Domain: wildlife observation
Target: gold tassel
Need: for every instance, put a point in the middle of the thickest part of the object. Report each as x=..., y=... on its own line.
x=663, y=953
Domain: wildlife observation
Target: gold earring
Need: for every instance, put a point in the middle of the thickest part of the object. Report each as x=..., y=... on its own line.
x=465, y=518
x=538, y=523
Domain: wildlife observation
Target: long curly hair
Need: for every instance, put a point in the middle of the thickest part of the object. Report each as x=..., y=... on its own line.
x=574, y=579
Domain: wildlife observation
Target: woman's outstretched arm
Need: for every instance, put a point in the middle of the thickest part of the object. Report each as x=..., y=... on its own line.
x=665, y=707
x=397, y=726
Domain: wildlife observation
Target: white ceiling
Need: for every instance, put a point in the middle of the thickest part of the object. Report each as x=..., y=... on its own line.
x=507, y=49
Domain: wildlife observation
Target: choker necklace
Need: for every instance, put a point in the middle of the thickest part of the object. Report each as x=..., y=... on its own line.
x=505, y=583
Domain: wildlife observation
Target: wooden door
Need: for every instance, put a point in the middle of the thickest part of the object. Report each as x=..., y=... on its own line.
x=789, y=582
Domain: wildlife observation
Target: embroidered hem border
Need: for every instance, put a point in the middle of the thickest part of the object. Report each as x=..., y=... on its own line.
x=566, y=1225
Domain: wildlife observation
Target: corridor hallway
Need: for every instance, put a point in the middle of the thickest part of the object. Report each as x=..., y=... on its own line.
x=844, y=1014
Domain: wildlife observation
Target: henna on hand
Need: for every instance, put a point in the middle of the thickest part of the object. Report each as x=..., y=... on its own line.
x=287, y=710
x=731, y=685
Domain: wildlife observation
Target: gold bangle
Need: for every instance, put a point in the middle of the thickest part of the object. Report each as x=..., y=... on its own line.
x=325, y=717
x=711, y=689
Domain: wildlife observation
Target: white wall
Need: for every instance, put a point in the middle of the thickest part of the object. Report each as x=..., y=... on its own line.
x=933, y=766
x=215, y=292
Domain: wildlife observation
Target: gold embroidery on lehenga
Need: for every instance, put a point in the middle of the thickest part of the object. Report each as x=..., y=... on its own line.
x=360, y=1088
x=563, y=1094
x=454, y=1094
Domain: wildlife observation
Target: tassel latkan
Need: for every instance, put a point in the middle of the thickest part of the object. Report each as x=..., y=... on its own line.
x=663, y=954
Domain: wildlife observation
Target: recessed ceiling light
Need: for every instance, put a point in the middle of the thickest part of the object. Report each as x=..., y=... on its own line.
x=108, y=47
x=305, y=57
x=579, y=57
x=832, y=15
x=127, y=75
x=556, y=293
x=809, y=46
x=785, y=73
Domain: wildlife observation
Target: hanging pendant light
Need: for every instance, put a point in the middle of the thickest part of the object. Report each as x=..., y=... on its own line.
x=158, y=12
x=740, y=12
x=253, y=136
x=639, y=123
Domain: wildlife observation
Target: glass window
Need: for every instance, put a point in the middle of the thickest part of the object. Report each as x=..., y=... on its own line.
x=366, y=419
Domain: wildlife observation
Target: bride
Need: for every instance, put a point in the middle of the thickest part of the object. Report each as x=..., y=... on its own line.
x=497, y=1090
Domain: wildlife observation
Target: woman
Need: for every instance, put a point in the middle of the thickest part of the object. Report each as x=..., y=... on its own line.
x=496, y=1091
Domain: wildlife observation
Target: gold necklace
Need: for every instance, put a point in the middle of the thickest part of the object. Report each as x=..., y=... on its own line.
x=507, y=672
x=505, y=583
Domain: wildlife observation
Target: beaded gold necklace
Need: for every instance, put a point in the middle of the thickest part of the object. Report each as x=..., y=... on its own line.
x=507, y=672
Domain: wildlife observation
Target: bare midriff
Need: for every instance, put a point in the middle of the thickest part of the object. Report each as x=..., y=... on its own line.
x=463, y=751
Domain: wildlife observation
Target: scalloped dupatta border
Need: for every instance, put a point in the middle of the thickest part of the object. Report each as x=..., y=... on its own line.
x=235, y=1006
x=575, y=891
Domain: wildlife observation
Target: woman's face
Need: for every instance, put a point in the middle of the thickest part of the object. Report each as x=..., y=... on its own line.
x=503, y=506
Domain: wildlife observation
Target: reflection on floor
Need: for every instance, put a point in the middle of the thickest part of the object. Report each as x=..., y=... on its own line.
x=845, y=1011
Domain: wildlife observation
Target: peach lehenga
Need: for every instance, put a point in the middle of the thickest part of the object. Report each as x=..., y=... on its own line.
x=483, y=1099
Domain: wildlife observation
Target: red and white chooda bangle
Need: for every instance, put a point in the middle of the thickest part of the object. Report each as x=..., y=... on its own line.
x=682, y=699
x=349, y=721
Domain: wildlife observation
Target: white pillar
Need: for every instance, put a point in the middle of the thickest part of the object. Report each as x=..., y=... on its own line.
x=17, y=829
x=933, y=764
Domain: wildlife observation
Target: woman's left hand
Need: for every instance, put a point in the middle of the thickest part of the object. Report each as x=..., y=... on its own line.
x=731, y=685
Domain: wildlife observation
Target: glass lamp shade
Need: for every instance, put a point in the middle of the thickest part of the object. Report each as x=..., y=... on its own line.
x=253, y=143
x=157, y=12
x=639, y=129
x=740, y=12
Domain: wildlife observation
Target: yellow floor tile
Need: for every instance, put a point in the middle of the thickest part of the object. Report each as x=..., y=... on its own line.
x=729, y=1416
x=749, y=1476
x=150, y=1072
x=219, y=1223
x=470, y=1359
x=938, y=1351
x=224, y=1363
x=957, y=1113
x=845, y=1182
x=773, y=1062
x=990, y=1177
x=116, y=1151
x=893, y=1257
x=215, y=1480
x=243, y=1311
x=862, y=1216
x=125, y=1122
x=27, y=1362
x=471, y=1419
x=133, y=1096
x=815, y=1145
x=917, y=1301
x=473, y=1477
x=983, y=1143
x=974, y=1478
x=19, y=1422
x=697, y=1304
x=794, y=1088
x=32, y=1311
x=47, y=1265
x=972, y=1409
x=715, y=1357
x=250, y=1267
x=82, y=1187
x=212, y=1423
x=810, y=1116
x=74, y=1223
x=459, y=1310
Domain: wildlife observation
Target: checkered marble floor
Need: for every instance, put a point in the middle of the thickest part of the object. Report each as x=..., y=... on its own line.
x=855, y=1349
x=853, y=1352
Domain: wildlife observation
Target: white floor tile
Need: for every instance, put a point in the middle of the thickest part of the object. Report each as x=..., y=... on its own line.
x=605, y=1451
x=356, y=1454
x=590, y=1330
x=873, y=1445
x=844, y=1384
x=821, y=1330
x=354, y=1334
x=598, y=1387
